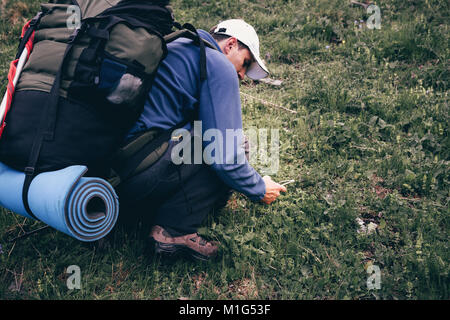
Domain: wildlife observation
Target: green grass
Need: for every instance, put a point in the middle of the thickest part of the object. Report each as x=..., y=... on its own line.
x=369, y=140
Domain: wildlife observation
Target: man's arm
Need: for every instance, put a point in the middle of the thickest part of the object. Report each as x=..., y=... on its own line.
x=220, y=108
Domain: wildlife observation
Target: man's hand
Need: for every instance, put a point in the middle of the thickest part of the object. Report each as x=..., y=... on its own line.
x=273, y=190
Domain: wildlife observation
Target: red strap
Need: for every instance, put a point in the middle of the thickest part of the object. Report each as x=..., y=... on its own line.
x=25, y=28
x=12, y=71
x=2, y=128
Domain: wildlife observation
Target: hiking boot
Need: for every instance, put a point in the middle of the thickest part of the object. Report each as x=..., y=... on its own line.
x=191, y=244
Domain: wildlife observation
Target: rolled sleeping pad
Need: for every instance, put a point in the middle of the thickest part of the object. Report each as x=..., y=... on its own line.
x=85, y=208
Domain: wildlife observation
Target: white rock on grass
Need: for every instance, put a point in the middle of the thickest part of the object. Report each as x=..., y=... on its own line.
x=363, y=229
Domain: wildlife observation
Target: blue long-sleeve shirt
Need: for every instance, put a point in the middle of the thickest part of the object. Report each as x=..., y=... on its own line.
x=176, y=93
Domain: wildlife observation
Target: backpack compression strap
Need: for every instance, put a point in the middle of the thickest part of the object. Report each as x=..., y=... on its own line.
x=46, y=127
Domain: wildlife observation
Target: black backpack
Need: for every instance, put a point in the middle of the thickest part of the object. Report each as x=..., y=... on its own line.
x=83, y=88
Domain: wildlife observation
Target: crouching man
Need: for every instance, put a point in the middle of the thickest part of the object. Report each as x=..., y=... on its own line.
x=180, y=194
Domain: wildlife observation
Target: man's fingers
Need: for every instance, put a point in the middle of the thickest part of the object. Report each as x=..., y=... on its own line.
x=273, y=190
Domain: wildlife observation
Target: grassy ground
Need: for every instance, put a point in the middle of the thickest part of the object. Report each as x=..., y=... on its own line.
x=368, y=140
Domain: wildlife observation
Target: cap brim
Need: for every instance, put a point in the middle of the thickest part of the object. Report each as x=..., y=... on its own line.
x=257, y=69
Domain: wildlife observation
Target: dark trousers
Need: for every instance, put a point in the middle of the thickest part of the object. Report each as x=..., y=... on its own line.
x=176, y=197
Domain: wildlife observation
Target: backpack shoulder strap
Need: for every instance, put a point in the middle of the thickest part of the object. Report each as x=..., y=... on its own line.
x=189, y=31
x=185, y=33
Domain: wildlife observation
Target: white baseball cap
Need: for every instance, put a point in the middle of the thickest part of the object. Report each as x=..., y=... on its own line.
x=246, y=34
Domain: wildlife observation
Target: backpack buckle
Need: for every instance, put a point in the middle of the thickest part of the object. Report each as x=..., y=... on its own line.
x=36, y=19
x=29, y=171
